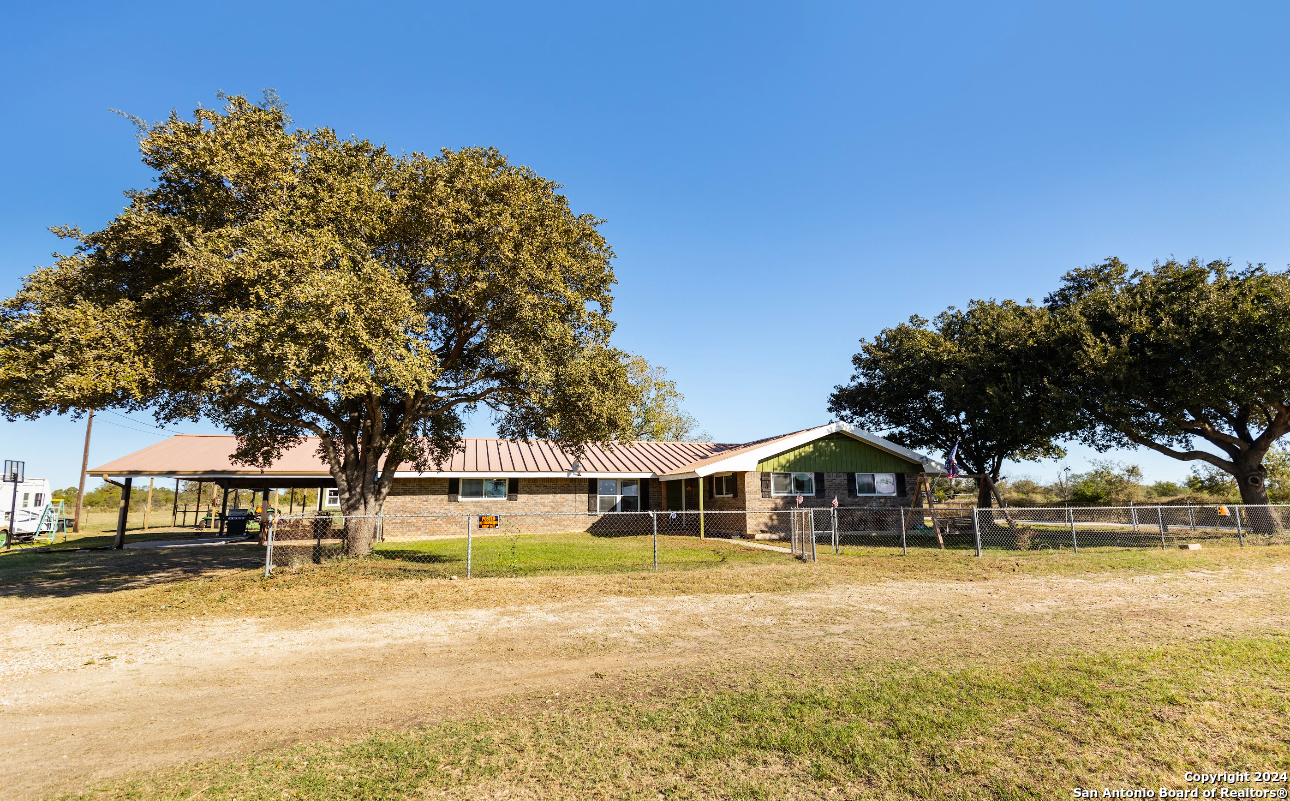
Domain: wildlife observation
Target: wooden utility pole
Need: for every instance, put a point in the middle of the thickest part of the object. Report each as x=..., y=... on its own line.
x=85, y=464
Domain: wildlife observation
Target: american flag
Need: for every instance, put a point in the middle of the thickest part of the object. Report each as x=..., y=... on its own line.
x=835, y=501
x=799, y=499
x=952, y=467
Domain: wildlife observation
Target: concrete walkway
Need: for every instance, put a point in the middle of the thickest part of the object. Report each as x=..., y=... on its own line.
x=155, y=544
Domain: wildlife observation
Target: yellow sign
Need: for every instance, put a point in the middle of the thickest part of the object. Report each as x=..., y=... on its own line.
x=1222, y=510
x=488, y=521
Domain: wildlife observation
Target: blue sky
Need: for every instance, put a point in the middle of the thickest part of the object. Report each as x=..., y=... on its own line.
x=779, y=180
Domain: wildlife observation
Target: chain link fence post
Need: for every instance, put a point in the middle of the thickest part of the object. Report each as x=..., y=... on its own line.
x=469, y=531
x=653, y=516
x=834, y=520
x=904, y=550
x=1070, y=514
x=268, y=551
x=976, y=530
x=814, y=557
x=1240, y=533
x=1160, y=519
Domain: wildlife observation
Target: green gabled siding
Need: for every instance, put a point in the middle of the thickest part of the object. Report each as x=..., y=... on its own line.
x=838, y=453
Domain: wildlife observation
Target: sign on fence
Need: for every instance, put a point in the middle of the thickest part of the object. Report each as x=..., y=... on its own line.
x=489, y=521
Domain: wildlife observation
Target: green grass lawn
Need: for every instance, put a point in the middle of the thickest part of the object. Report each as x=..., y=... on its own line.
x=1013, y=728
x=568, y=554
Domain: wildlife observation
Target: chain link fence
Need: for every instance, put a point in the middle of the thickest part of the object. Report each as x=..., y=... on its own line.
x=1130, y=527
x=463, y=546
x=466, y=546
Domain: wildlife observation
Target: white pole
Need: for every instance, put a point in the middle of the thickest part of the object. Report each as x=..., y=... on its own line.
x=468, y=545
x=654, y=520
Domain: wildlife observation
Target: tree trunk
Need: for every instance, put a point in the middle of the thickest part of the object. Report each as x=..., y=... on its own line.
x=1251, y=480
x=984, y=498
x=361, y=507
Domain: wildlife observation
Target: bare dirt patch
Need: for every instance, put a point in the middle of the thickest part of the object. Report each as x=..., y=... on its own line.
x=98, y=700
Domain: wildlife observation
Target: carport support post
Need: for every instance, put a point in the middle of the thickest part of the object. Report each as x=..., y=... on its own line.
x=122, y=514
x=223, y=511
x=976, y=530
x=147, y=507
x=174, y=507
x=700, y=482
x=198, y=518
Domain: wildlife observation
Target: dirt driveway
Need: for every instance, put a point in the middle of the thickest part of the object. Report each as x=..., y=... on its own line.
x=87, y=703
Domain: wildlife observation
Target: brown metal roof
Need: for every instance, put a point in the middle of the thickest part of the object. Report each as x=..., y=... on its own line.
x=196, y=454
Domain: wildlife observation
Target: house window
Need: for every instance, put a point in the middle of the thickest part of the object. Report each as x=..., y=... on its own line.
x=332, y=499
x=723, y=486
x=618, y=495
x=875, y=483
x=792, y=483
x=483, y=489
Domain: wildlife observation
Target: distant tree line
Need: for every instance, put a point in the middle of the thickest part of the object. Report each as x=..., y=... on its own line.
x=1186, y=359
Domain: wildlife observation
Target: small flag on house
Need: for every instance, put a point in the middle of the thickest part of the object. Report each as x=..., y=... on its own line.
x=835, y=501
x=799, y=499
x=952, y=466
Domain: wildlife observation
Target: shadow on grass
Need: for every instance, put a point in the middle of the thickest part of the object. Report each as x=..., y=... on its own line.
x=66, y=573
x=414, y=555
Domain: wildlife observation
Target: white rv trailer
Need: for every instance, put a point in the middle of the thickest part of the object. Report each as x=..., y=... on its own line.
x=32, y=498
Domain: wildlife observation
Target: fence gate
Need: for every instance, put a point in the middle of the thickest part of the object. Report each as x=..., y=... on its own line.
x=802, y=538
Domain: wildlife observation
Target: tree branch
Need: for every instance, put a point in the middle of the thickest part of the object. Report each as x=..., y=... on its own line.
x=1184, y=456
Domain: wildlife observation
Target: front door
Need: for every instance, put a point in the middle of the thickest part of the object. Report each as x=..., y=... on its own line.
x=692, y=494
x=673, y=496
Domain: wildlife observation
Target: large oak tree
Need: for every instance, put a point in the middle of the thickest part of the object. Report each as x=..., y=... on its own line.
x=1180, y=354
x=289, y=283
x=985, y=377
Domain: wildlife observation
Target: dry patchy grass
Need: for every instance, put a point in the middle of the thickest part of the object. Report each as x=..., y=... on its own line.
x=1009, y=727
x=229, y=581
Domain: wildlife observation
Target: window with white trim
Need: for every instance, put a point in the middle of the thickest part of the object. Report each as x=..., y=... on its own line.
x=483, y=489
x=792, y=483
x=723, y=486
x=618, y=495
x=40, y=500
x=875, y=483
x=26, y=498
x=332, y=499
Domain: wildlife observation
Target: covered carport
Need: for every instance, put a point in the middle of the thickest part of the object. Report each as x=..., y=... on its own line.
x=207, y=459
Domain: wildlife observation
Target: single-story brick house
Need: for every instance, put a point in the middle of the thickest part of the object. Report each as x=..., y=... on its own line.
x=506, y=477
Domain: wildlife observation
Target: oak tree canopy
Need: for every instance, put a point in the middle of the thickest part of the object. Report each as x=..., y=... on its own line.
x=288, y=283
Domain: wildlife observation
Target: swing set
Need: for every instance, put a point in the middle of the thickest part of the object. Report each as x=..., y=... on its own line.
x=945, y=522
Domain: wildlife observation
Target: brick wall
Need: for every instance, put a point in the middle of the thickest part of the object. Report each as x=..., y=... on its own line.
x=565, y=499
